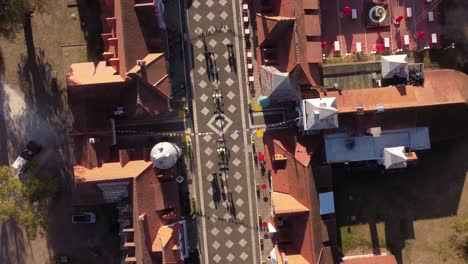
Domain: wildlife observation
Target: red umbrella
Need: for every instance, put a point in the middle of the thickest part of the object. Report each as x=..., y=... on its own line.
x=421, y=34
x=379, y=47
x=347, y=10
x=399, y=19
x=264, y=186
x=324, y=44
x=264, y=224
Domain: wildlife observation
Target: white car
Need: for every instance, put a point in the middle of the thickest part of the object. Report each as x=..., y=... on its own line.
x=84, y=218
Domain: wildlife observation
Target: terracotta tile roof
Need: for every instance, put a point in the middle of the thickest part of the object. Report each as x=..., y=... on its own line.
x=312, y=56
x=154, y=73
x=312, y=26
x=166, y=195
x=286, y=204
x=165, y=234
x=144, y=196
x=111, y=171
x=440, y=87
x=272, y=27
x=387, y=259
x=310, y=4
x=90, y=73
x=297, y=259
x=133, y=39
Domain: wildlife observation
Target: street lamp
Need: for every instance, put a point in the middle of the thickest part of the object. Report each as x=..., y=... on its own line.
x=452, y=46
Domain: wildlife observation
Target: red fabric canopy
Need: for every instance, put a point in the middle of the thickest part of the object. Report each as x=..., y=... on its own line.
x=347, y=10
x=264, y=224
x=264, y=186
x=399, y=19
x=379, y=47
x=421, y=34
x=324, y=44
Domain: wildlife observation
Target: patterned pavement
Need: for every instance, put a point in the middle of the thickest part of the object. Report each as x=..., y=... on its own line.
x=228, y=229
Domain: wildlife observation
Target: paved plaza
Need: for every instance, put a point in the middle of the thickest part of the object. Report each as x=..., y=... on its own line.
x=228, y=229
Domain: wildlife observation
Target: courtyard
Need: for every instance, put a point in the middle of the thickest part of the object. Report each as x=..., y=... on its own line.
x=406, y=212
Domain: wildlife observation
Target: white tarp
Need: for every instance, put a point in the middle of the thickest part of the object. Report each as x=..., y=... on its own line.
x=394, y=65
x=394, y=158
x=273, y=257
x=271, y=228
x=320, y=113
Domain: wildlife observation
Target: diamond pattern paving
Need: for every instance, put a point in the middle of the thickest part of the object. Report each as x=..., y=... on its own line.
x=228, y=230
x=242, y=242
x=241, y=229
x=234, y=136
x=215, y=19
x=215, y=231
x=236, y=162
x=231, y=108
x=205, y=111
x=209, y=164
x=196, y=17
x=212, y=43
x=204, y=97
x=223, y=15
x=201, y=71
x=230, y=95
x=243, y=256
x=229, y=82
x=215, y=245
x=210, y=16
x=237, y=175
x=229, y=244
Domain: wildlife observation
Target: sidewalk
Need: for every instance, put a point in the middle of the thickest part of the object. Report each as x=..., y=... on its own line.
x=261, y=176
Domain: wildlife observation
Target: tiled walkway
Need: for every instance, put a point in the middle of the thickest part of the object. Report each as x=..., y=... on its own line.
x=228, y=229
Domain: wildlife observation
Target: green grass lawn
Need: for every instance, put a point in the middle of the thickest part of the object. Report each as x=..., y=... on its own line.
x=357, y=238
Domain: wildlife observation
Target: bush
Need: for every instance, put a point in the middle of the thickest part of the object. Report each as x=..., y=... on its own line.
x=193, y=208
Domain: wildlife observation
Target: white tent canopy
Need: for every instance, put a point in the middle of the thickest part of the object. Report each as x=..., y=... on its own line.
x=394, y=158
x=394, y=65
x=320, y=113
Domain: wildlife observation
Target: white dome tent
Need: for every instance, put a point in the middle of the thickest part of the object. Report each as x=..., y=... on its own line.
x=164, y=155
x=394, y=158
x=394, y=65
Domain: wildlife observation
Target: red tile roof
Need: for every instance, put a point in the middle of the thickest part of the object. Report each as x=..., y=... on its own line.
x=440, y=87
x=111, y=171
x=293, y=180
x=145, y=194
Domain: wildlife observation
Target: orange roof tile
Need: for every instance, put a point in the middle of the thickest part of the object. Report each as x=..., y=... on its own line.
x=165, y=234
x=310, y=4
x=440, y=87
x=111, y=171
x=312, y=25
x=285, y=204
x=387, y=259
x=313, y=52
x=297, y=259
x=89, y=73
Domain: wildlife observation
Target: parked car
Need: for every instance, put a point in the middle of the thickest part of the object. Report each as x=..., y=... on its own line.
x=28, y=153
x=84, y=218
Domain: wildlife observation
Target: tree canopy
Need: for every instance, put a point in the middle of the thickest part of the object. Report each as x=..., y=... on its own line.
x=23, y=201
x=12, y=14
